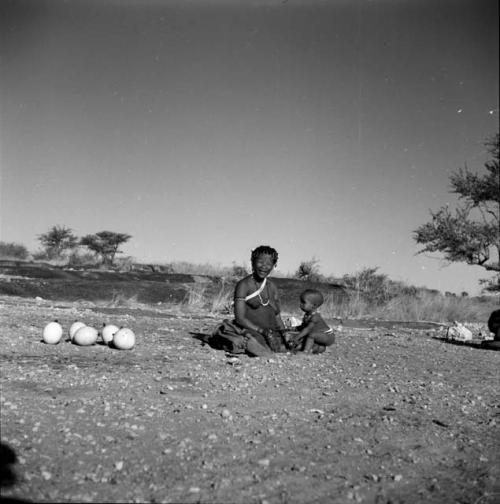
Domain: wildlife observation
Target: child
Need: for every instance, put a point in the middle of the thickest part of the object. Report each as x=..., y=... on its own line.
x=314, y=333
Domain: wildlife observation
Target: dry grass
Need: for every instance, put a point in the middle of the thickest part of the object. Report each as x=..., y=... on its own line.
x=195, y=295
x=119, y=300
x=222, y=302
x=423, y=306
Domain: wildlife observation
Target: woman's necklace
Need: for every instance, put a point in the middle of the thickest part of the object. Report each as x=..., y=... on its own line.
x=260, y=297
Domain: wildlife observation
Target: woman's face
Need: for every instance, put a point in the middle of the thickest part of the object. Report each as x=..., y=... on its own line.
x=263, y=265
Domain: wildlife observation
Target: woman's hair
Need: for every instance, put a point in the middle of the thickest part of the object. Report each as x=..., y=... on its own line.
x=264, y=249
x=314, y=295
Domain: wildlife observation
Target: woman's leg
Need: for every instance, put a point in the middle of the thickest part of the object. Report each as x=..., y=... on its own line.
x=256, y=345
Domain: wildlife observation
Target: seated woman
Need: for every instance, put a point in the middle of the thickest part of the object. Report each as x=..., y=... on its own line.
x=257, y=327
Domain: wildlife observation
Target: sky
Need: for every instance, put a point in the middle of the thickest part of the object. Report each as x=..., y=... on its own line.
x=327, y=129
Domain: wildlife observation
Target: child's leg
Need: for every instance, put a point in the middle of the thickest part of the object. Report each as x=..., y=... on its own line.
x=317, y=342
x=309, y=344
x=325, y=339
x=316, y=349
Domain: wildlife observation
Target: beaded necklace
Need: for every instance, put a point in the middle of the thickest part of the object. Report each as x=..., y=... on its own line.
x=260, y=297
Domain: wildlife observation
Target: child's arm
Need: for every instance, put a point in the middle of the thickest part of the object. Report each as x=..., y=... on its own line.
x=308, y=344
x=304, y=331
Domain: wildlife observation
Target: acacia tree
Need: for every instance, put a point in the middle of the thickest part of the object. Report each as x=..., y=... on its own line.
x=471, y=233
x=105, y=244
x=57, y=240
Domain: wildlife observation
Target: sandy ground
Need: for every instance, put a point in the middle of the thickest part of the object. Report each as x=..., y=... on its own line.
x=384, y=416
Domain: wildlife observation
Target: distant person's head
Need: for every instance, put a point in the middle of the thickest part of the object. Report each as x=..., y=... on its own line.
x=310, y=300
x=264, y=260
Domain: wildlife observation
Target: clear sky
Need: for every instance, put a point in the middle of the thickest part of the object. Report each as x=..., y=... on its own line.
x=326, y=129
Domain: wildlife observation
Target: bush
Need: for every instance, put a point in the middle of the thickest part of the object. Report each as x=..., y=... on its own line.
x=374, y=288
x=82, y=259
x=309, y=271
x=40, y=255
x=13, y=251
x=238, y=271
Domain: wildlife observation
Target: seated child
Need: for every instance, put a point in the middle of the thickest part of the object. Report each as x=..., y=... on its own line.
x=314, y=334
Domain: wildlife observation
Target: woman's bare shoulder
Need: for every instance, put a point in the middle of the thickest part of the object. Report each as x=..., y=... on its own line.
x=243, y=286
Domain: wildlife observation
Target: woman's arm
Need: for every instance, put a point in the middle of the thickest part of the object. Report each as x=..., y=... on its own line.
x=275, y=301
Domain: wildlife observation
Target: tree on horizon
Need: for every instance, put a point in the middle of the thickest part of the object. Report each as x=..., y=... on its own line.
x=57, y=240
x=105, y=244
x=470, y=234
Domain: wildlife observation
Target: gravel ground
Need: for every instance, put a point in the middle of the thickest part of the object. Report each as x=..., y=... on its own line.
x=383, y=416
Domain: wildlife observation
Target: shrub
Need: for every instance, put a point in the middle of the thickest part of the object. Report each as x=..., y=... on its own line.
x=372, y=287
x=238, y=271
x=13, y=251
x=82, y=259
x=124, y=263
x=40, y=255
x=309, y=271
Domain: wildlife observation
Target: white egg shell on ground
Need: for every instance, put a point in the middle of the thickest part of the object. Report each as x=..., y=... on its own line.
x=74, y=327
x=52, y=333
x=85, y=336
x=124, y=339
x=108, y=331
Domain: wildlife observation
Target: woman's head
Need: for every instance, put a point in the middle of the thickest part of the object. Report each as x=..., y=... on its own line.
x=264, y=250
x=264, y=259
x=310, y=299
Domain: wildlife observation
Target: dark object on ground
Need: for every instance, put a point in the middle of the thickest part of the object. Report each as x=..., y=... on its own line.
x=7, y=460
x=7, y=474
x=494, y=324
x=491, y=345
x=494, y=327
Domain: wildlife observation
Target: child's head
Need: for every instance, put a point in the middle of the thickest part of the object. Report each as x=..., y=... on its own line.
x=264, y=250
x=310, y=300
